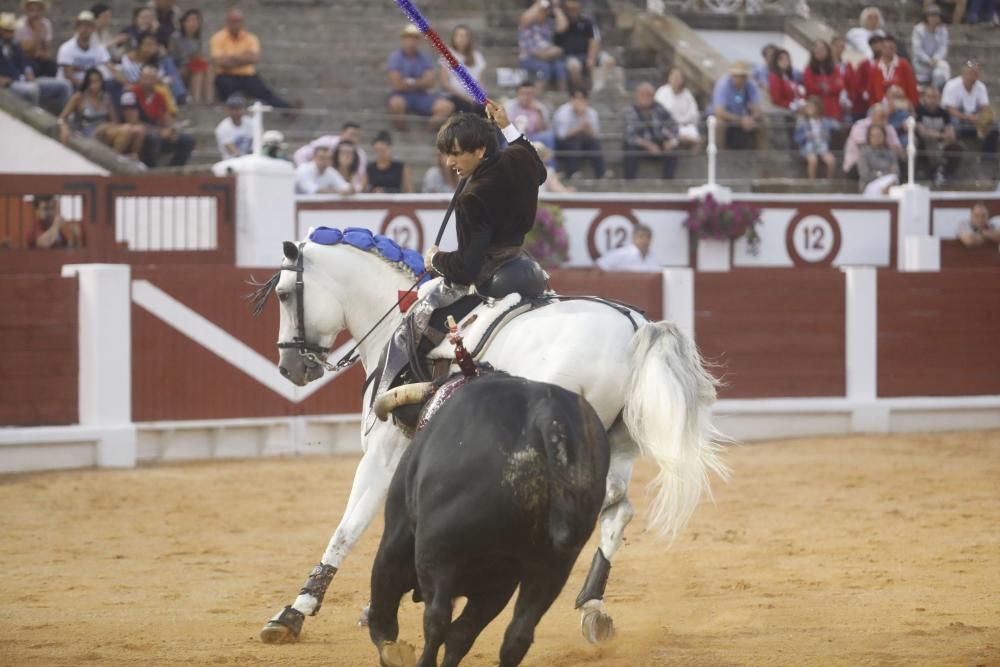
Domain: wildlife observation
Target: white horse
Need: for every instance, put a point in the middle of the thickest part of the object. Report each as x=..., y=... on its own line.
x=647, y=385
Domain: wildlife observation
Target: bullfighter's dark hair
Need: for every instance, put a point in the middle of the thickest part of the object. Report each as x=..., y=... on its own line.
x=469, y=131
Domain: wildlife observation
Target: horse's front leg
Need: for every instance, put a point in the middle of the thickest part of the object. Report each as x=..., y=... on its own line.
x=385, y=444
x=596, y=625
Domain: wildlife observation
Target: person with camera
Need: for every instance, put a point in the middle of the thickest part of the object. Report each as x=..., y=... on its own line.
x=539, y=56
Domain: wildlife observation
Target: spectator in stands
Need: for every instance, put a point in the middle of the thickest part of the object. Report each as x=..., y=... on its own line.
x=168, y=20
x=930, y=49
x=676, y=97
x=966, y=99
x=736, y=104
x=50, y=230
x=34, y=34
x=188, y=55
x=464, y=49
x=82, y=51
x=144, y=103
x=871, y=24
x=781, y=83
x=634, y=257
x=899, y=110
x=953, y=11
x=233, y=134
x=858, y=137
x=892, y=69
x=411, y=80
x=863, y=101
x=812, y=134
x=148, y=52
x=586, y=64
x=385, y=174
x=273, y=145
x=92, y=113
x=143, y=21
x=878, y=165
x=529, y=115
x=439, y=179
x=936, y=138
x=347, y=163
x=351, y=132
x=235, y=53
x=849, y=75
x=553, y=183
x=318, y=177
x=982, y=11
x=823, y=79
x=115, y=42
x=539, y=55
x=980, y=228
x=578, y=135
x=16, y=75
x=762, y=71
x=650, y=133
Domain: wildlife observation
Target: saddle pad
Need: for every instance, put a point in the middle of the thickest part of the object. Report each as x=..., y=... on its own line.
x=479, y=321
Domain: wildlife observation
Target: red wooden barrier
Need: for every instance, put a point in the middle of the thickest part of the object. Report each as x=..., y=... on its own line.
x=38, y=336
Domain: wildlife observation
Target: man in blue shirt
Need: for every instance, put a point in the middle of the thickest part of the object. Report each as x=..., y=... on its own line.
x=411, y=78
x=736, y=105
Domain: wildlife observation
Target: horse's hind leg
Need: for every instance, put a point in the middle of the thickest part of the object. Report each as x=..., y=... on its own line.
x=480, y=609
x=385, y=444
x=537, y=594
x=616, y=514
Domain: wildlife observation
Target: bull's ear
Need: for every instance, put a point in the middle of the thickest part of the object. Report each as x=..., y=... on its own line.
x=291, y=251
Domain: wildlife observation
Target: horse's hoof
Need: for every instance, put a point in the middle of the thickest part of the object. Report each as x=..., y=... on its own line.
x=276, y=633
x=596, y=626
x=365, y=613
x=397, y=654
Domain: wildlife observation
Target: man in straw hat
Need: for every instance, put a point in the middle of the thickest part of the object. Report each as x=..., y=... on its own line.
x=736, y=104
x=412, y=75
x=33, y=33
x=16, y=74
x=82, y=51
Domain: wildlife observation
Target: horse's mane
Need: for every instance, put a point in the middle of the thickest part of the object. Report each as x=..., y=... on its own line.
x=406, y=261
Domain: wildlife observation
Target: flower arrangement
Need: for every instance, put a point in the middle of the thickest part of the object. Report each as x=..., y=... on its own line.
x=709, y=219
x=547, y=241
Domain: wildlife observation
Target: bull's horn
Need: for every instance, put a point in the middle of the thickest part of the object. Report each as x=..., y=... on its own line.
x=407, y=394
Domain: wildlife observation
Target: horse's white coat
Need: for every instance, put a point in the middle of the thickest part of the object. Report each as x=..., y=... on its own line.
x=582, y=346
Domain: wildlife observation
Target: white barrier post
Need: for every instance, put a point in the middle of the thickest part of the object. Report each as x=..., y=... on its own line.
x=712, y=149
x=861, y=350
x=678, y=298
x=257, y=123
x=911, y=150
x=105, y=355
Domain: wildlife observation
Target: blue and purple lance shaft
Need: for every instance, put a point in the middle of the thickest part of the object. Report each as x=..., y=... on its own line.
x=467, y=79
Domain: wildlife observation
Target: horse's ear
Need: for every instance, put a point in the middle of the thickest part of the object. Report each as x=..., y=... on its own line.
x=291, y=251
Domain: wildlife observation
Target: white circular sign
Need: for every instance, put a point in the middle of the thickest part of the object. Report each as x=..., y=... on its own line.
x=813, y=238
x=404, y=231
x=612, y=232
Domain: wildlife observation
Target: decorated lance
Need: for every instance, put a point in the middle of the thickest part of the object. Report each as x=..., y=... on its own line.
x=458, y=68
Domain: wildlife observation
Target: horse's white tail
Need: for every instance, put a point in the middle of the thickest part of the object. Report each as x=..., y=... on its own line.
x=668, y=397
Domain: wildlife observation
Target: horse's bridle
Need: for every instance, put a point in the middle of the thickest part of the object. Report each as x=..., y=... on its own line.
x=316, y=354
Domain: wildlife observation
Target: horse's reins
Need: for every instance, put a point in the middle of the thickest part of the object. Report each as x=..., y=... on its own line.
x=316, y=354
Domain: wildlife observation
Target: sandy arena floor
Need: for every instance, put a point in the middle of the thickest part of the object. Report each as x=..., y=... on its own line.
x=846, y=551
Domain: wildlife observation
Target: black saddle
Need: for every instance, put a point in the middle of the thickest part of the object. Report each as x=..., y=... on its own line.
x=520, y=274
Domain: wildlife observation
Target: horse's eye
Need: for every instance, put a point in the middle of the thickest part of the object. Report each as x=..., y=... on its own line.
x=283, y=296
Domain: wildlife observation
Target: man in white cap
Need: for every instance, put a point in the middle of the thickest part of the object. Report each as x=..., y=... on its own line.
x=17, y=74
x=233, y=134
x=82, y=52
x=736, y=104
x=33, y=33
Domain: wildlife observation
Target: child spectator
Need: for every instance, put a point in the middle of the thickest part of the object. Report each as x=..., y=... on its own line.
x=930, y=49
x=939, y=149
x=859, y=135
x=812, y=134
x=676, y=97
x=539, y=54
x=411, y=79
x=890, y=70
x=878, y=166
x=189, y=56
x=578, y=133
x=34, y=34
x=91, y=112
x=384, y=174
x=781, y=82
x=464, y=50
x=899, y=110
x=233, y=135
x=822, y=78
x=49, y=229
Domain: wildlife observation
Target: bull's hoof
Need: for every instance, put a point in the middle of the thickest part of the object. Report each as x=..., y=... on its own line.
x=596, y=626
x=284, y=628
x=365, y=614
x=397, y=654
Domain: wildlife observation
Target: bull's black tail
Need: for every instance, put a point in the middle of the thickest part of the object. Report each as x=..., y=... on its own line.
x=576, y=449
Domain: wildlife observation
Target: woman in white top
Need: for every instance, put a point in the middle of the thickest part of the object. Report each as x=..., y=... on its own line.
x=464, y=50
x=871, y=24
x=675, y=97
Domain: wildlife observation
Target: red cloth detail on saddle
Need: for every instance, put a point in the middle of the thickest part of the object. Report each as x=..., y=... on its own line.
x=406, y=300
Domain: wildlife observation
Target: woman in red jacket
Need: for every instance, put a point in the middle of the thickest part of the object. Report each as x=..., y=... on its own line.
x=822, y=78
x=781, y=82
x=892, y=70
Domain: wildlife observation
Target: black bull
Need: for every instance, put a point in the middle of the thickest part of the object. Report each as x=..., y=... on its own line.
x=502, y=488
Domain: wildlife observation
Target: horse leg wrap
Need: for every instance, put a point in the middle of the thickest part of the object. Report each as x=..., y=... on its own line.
x=316, y=585
x=597, y=580
x=291, y=618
